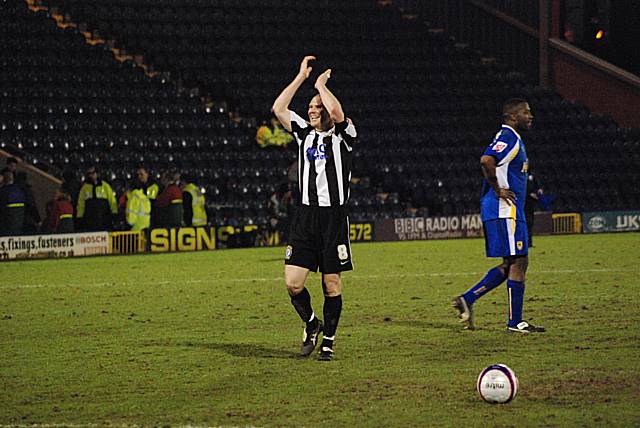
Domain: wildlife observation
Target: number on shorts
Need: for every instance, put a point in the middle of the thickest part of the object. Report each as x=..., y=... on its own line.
x=343, y=254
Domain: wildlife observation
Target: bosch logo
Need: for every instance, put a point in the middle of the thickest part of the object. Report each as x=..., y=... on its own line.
x=92, y=239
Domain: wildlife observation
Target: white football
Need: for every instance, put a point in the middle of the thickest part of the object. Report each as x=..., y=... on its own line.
x=497, y=384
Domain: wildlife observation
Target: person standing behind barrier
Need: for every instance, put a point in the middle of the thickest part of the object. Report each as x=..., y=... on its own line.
x=280, y=209
x=534, y=190
x=12, y=206
x=195, y=212
x=138, y=209
x=96, y=203
x=71, y=185
x=11, y=165
x=144, y=182
x=32, y=219
x=168, y=204
x=273, y=135
x=59, y=218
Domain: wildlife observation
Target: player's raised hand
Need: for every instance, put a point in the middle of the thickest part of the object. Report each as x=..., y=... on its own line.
x=507, y=195
x=305, y=70
x=323, y=78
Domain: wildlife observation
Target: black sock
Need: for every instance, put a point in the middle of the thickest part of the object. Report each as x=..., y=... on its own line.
x=302, y=303
x=332, y=309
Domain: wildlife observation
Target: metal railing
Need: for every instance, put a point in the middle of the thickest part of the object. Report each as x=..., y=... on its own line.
x=131, y=242
x=566, y=223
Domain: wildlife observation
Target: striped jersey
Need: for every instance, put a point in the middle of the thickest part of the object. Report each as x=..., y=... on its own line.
x=324, y=162
x=511, y=171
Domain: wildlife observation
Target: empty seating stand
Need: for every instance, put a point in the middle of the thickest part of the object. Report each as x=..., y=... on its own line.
x=425, y=107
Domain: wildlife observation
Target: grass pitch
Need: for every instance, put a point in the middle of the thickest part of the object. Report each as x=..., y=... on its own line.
x=211, y=339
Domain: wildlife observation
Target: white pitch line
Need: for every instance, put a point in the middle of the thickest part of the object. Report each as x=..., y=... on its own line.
x=279, y=278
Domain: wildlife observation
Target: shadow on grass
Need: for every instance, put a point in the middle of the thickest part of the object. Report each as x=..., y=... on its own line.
x=245, y=350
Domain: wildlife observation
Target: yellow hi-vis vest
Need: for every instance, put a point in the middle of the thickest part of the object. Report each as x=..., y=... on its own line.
x=152, y=191
x=197, y=204
x=265, y=136
x=138, y=210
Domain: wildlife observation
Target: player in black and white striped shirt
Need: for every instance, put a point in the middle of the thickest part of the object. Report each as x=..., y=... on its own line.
x=319, y=231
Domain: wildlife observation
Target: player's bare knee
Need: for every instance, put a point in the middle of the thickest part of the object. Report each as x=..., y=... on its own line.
x=294, y=279
x=294, y=288
x=332, y=285
x=294, y=285
x=523, y=263
x=518, y=268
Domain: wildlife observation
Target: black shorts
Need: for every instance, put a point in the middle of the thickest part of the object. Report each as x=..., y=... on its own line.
x=319, y=238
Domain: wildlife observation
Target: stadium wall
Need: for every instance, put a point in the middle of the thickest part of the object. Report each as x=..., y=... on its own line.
x=211, y=238
x=518, y=33
x=610, y=221
x=604, y=88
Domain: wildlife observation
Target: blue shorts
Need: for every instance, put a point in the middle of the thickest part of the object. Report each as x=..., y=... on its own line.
x=504, y=237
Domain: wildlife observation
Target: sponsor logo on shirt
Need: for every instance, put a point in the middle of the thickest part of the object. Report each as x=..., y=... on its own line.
x=316, y=153
x=500, y=146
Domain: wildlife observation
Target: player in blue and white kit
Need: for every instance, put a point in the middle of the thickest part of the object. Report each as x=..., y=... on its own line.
x=504, y=165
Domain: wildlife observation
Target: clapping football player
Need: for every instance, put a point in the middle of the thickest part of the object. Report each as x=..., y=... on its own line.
x=319, y=230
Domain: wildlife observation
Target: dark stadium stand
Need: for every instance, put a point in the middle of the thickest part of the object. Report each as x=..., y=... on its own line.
x=424, y=105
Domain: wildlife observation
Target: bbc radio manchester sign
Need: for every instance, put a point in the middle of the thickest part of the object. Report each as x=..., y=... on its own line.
x=611, y=221
x=421, y=228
